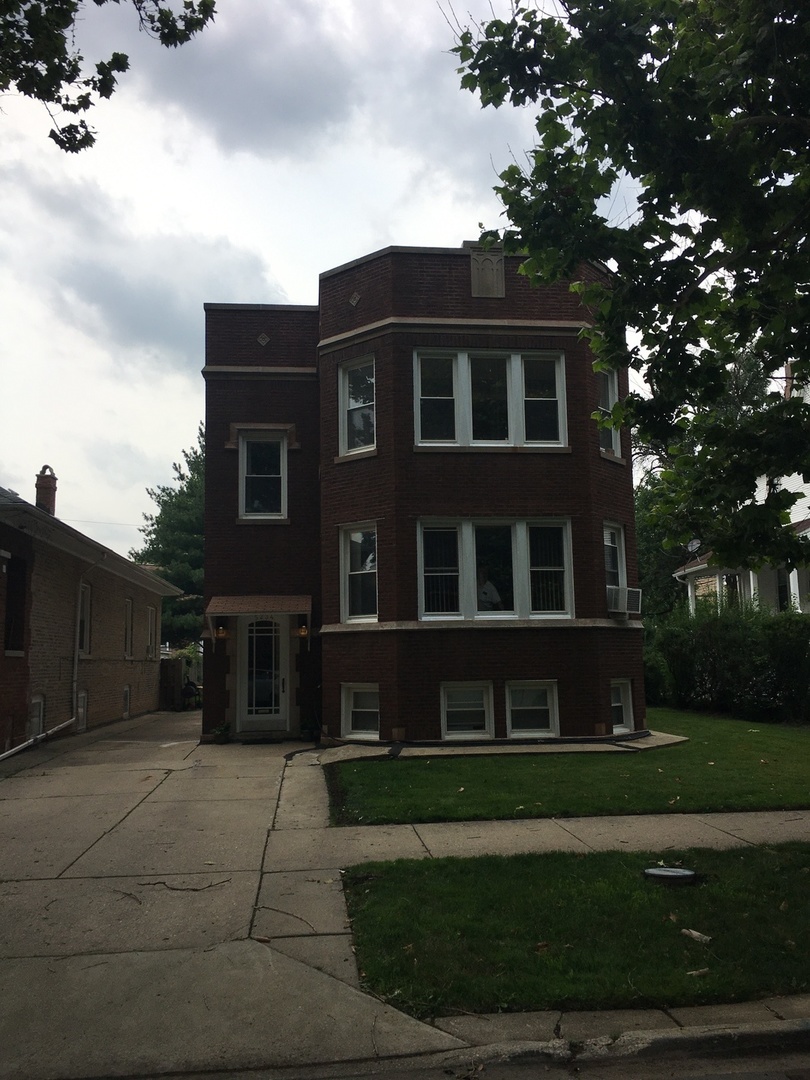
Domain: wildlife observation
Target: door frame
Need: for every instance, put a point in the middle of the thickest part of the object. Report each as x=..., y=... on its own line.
x=276, y=724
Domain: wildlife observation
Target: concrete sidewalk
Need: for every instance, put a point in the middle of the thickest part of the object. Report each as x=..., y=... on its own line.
x=169, y=907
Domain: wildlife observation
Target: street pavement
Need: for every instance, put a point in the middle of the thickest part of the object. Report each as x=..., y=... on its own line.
x=173, y=907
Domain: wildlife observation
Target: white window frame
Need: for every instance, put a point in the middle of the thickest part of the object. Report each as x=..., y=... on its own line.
x=622, y=688
x=346, y=572
x=347, y=697
x=487, y=703
x=609, y=528
x=515, y=391
x=343, y=405
x=521, y=575
x=151, y=632
x=550, y=686
x=246, y=437
x=128, y=628
x=607, y=383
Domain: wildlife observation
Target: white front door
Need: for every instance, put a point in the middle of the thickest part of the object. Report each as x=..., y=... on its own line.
x=264, y=676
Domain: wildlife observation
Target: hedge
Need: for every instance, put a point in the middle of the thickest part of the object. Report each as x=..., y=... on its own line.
x=740, y=659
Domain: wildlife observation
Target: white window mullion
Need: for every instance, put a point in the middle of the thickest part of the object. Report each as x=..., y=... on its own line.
x=467, y=586
x=521, y=570
x=514, y=389
x=463, y=399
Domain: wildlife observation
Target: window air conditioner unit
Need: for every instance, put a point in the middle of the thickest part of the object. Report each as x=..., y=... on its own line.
x=623, y=600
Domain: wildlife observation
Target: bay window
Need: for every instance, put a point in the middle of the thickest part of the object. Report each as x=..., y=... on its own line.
x=489, y=399
x=481, y=569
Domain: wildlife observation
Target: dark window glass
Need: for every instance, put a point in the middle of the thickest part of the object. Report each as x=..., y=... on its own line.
x=465, y=710
x=540, y=400
x=263, y=477
x=363, y=573
x=612, y=568
x=437, y=405
x=360, y=406
x=606, y=384
x=440, y=559
x=365, y=713
x=547, y=567
x=493, y=567
x=490, y=413
x=530, y=710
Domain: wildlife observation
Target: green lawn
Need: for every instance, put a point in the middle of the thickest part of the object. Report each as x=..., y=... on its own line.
x=726, y=765
x=568, y=931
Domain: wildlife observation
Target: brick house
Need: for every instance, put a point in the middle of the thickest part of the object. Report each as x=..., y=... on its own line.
x=415, y=530
x=81, y=625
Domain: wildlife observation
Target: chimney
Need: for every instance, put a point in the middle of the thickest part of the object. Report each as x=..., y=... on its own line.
x=46, y=490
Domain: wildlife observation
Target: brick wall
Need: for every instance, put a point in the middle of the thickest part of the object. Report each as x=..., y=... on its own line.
x=14, y=669
x=387, y=305
x=104, y=672
x=410, y=666
x=399, y=484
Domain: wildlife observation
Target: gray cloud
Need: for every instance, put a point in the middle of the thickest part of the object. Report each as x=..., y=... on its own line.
x=280, y=81
x=267, y=78
x=130, y=291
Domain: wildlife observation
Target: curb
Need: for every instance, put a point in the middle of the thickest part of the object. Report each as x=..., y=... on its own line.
x=781, y=1036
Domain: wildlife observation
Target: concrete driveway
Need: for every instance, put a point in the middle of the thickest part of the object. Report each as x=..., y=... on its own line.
x=167, y=907
x=137, y=906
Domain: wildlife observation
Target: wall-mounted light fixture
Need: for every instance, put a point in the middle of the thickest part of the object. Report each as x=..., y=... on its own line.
x=221, y=632
x=303, y=630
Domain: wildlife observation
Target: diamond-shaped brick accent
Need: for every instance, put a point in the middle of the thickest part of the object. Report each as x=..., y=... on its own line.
x=262, y=339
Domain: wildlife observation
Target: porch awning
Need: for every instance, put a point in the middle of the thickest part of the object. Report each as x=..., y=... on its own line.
x=259, y=605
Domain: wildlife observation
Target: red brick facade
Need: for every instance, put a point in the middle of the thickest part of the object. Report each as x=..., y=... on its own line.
x=405, y=670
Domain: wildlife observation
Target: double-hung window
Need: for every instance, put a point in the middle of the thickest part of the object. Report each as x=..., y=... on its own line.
x=359, y=567
x=357, y=411
x=361, y=710
x=466, y=710
x=494, y=569
x=531, y=709
x=489, y=399
x=262, y=475
x=621, y=706
x=608, y=387
x=615, y=571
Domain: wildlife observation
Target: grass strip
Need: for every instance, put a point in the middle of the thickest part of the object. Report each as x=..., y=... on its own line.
x=565, y=931
x=727, y=765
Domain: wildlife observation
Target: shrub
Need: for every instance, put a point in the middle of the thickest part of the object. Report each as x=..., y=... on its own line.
x=740, y=659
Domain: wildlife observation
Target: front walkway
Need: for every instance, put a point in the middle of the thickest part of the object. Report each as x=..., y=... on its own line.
x=167, y=906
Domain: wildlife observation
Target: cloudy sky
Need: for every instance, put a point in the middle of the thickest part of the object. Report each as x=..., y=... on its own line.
x=288, y=138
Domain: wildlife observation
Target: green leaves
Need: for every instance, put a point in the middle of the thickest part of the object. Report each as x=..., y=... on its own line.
x=174, y=543
x=38, y=58
x=700, y=110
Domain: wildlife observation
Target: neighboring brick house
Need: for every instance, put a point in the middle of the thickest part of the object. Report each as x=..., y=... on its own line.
x=81, y=625
x=415, y=530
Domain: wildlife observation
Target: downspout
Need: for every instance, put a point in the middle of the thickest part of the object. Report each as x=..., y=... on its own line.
x=38, y=738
